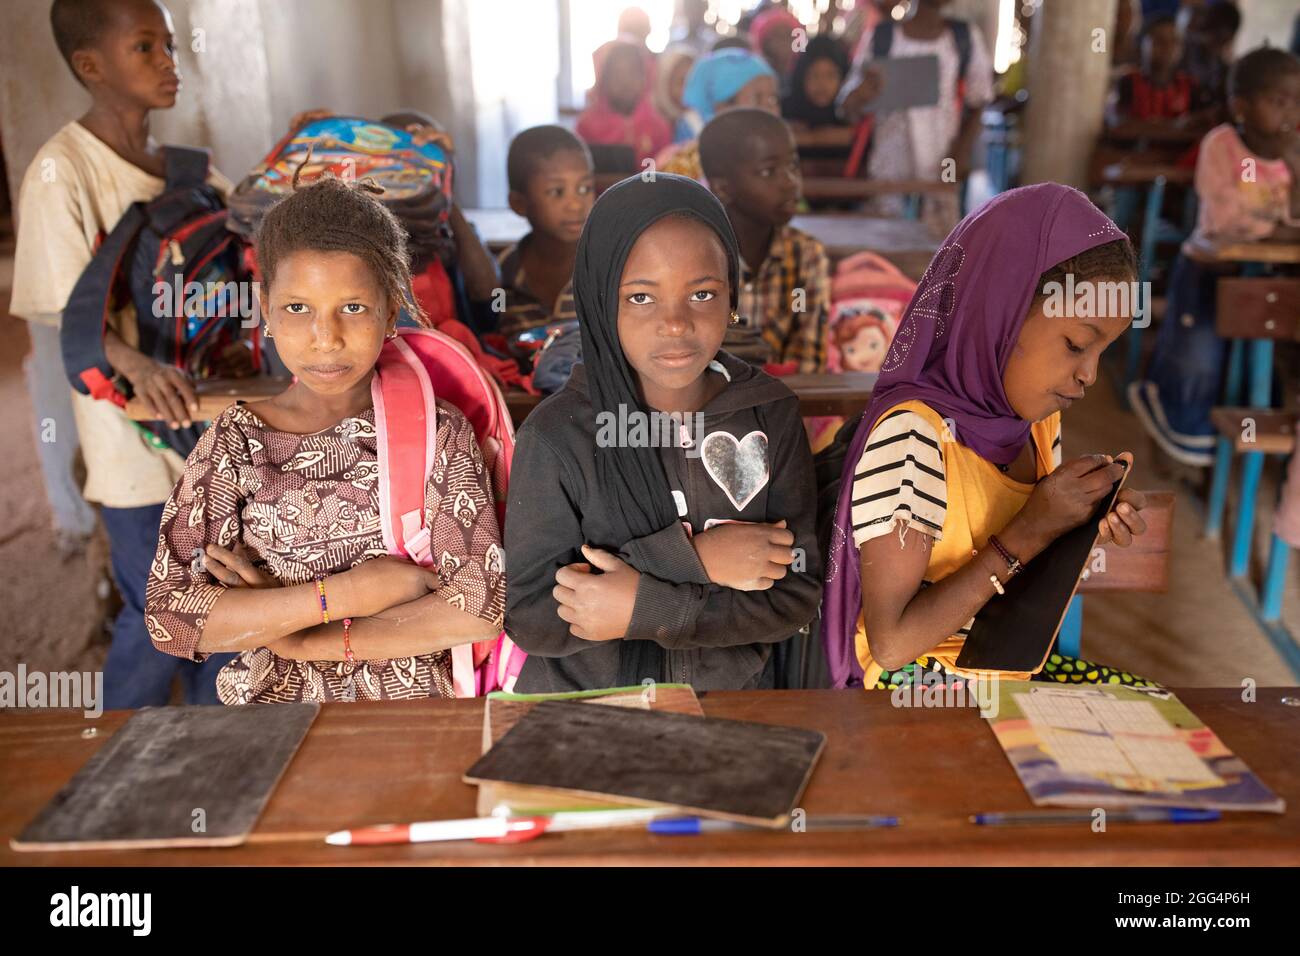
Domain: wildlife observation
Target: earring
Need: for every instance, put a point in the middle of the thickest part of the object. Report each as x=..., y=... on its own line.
x=266, y=330
x=735, y=318
x=391, y=335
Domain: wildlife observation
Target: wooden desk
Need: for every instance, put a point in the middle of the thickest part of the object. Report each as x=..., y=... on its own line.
x=840, y=187
x=844, y=394
x=907, y=244
x=1271, y=251
x=218, y=394
x=1137, y=173
x=376, y=763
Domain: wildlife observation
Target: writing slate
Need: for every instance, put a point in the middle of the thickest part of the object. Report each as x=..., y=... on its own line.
x=142, y=788
x=1014, y=631
x=731, y=769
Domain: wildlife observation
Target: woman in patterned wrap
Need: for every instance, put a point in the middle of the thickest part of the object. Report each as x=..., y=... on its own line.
x=272, y=537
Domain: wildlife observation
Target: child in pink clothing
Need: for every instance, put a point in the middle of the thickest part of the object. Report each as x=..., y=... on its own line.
x=1248, y=185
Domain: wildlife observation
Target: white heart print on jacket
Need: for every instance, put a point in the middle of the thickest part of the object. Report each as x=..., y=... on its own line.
x=739, y=468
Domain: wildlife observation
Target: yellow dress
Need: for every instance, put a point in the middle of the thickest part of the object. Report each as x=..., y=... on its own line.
x=973, y=499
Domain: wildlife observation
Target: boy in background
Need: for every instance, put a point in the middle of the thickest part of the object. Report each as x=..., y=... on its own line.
x=752, y=165
x=552, y=185
x=75, y=191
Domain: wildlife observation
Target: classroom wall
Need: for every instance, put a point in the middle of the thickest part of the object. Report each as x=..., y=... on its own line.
x=249, y=65
x=1266, y=20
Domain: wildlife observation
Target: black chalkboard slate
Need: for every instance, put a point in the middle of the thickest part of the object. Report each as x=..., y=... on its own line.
x=141, y=788
x=1015, y=631
x=731, y=769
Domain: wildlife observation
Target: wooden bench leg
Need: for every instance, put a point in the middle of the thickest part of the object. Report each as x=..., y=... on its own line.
x=1069, y=640
x=1279, y=552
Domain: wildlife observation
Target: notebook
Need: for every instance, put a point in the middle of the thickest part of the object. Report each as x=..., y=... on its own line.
x=1015, y=631
x=1115, y=746
x=729, y=769
x=173, y=777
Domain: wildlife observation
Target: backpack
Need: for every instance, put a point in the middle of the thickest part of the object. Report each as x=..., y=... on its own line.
x=416, y=179
x=867, y=290
x=413, y=367
x=882, y=40
x=156, y=250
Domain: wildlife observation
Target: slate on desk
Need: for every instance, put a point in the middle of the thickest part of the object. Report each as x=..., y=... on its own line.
x=730, y=769
x=142, y=788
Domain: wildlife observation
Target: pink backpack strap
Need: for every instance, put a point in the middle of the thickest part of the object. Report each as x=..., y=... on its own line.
x=407, y=427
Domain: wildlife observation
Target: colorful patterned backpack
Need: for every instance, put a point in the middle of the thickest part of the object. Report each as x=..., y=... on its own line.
x=416, y=178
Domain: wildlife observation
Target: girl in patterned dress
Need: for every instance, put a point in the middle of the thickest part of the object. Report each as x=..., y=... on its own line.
x=271, y=544
x=954, y=478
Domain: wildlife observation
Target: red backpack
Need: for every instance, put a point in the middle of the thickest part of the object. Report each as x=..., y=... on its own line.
x=413, y=367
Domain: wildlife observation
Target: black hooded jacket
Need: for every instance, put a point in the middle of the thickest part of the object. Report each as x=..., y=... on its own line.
x=713, y=637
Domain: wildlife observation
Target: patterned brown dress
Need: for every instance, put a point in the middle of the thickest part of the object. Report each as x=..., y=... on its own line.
x=306, y=506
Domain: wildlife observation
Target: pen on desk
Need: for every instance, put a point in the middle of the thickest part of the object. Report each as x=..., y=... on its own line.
x=689, y=826
x=1060, y=817
x=476, y=828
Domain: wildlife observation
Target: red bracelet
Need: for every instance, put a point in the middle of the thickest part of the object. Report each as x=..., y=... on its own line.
x=347, y=641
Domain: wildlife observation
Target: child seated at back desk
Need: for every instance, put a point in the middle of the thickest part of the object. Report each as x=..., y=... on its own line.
x=621, y=108
x=752, y=166
x=1248, y=184
x=1157, y=95
x=552, y=186
x=76, y=190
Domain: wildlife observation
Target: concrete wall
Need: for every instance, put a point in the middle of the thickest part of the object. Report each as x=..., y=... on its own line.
x=249, y=65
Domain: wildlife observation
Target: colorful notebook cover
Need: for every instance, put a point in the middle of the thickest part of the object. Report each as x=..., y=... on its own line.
x=1114, y=746
x=504, y=710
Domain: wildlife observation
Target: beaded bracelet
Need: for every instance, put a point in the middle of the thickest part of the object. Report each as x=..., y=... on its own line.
x=1013, y=563
x=324, y=608
x=347, y=641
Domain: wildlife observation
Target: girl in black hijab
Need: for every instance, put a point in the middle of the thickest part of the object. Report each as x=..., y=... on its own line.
x=646, y=547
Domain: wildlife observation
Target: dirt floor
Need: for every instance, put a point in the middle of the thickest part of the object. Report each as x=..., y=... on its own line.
x=1197, y=634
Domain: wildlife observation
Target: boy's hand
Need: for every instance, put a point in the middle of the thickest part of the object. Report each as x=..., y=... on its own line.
x=234, y=569
x=745, y=557
x=597, y=607
x=167, y=390
x=1125, y=521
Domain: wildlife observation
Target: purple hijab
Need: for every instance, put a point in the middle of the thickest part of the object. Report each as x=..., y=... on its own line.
x=949, y=352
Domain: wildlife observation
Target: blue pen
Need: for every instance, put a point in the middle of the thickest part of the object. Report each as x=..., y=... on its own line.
x=690, y=826
x=1062, y=817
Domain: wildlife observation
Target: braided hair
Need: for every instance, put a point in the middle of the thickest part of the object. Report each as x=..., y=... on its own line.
x=330, y=215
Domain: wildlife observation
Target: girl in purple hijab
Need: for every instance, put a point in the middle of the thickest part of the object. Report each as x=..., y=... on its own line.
x=953, y=480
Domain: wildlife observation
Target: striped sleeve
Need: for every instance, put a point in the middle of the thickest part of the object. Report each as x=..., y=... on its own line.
x=1056, y=447
x=900, y=477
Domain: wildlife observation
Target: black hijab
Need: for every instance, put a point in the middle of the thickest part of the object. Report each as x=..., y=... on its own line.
x=632, y=479
x=795, y=104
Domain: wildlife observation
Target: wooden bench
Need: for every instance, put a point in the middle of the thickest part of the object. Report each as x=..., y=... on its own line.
x=842, y=394
x=908, y=244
